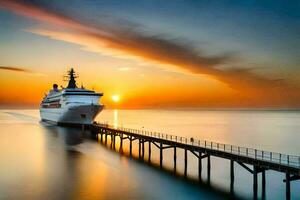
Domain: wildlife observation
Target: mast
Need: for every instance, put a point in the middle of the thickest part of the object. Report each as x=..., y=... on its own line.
x=72, y=76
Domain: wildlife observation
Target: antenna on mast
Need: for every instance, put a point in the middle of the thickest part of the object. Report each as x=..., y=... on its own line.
x=71, y=76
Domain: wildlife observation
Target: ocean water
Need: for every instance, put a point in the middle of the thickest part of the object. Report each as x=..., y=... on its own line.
x=42, y=161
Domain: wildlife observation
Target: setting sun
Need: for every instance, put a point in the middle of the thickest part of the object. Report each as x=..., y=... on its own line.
x=115, y=98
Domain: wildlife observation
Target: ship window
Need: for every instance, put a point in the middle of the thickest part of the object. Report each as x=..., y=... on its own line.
x=83, y=116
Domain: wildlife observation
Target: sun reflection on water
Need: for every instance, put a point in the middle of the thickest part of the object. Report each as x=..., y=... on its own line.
x=116, y=118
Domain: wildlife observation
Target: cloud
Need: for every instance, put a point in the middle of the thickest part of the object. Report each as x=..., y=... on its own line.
x=123, y=38
x=15, y=69
x=21, y=69
x=127, y=40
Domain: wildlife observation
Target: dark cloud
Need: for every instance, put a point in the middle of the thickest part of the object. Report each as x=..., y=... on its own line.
x=15, y=69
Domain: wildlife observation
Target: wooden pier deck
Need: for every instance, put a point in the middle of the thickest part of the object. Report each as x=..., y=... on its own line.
x=253, y=160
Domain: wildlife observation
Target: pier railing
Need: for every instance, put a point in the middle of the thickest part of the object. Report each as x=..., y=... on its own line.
x=279, y=158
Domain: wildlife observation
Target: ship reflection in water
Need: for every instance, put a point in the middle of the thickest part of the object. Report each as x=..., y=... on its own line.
x=72, y=136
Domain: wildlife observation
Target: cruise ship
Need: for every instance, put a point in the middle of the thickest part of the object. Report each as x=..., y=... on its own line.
x=70, y=105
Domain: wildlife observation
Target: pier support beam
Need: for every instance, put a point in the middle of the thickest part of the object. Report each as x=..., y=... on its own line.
x=121, y=143
x=139, y=148
x=263, y=184
x=149, y=152
x=161, y=155
x=130, y=146
x=114, y=141
x=255, y=182
x=175, y=159
x=111, y=140
x=143, y=149
x=199, y=166
x=231, y=176
x=185, y=162
x=208, y=169
x=288, y=186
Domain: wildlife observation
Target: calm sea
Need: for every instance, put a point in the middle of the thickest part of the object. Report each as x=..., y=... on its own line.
x=42, y=161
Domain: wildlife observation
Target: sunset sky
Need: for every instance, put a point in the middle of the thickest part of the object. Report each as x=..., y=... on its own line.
x=153, y=54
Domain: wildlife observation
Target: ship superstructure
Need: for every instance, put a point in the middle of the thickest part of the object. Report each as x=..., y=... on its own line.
x=70, y=105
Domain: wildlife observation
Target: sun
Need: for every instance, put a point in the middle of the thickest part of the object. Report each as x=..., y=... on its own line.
x=115, y=98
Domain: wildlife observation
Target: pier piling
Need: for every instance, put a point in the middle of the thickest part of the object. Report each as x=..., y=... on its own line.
x=199, y=166
x=185, y=162
x=130, y=146
x=121, y=143
x=161, y=155
x=149, y=151
x=111, y=140
x=263, y=184
x=114, y=141
x=208, y=169
x=143, y=149
x=231, y=175
x=255, y=182
x=175, y=159
x=139, y=148
x=288, y=186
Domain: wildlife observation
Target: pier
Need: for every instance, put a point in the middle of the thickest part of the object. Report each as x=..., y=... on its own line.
x=254, y=161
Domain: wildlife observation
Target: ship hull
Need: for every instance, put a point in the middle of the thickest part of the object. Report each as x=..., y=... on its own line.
x=71, y=115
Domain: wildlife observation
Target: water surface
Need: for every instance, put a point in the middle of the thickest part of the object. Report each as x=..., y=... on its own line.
x=42, y=161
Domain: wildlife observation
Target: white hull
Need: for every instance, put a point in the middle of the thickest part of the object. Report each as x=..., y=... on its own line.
x=71, y=114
